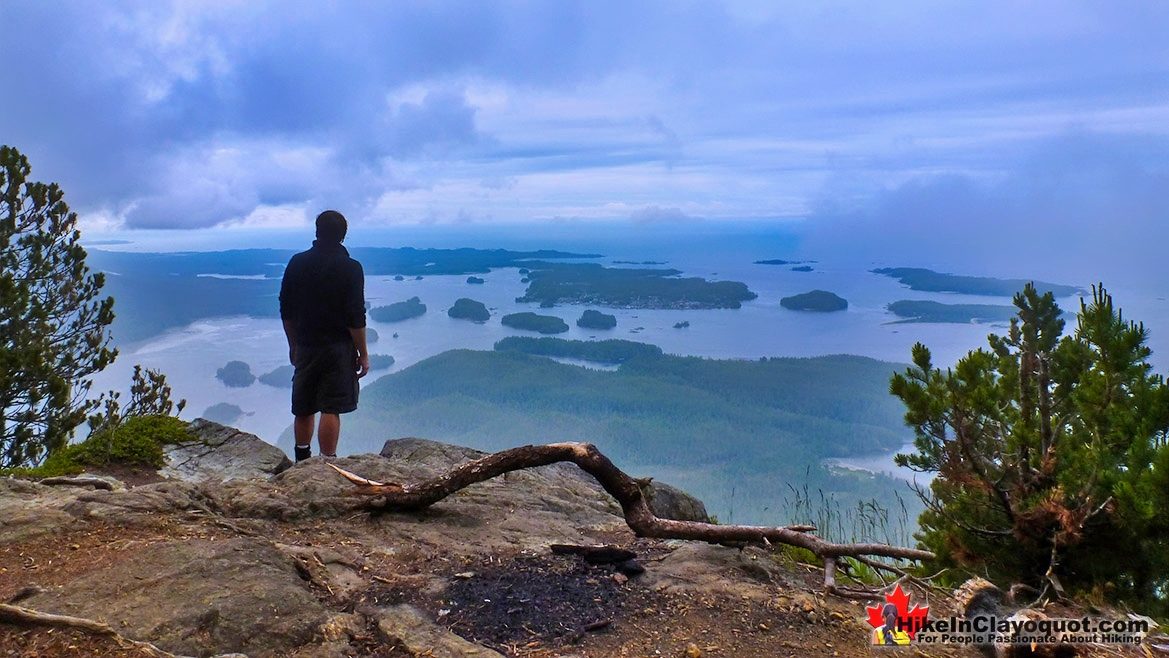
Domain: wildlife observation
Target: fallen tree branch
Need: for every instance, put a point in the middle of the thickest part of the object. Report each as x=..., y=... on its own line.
x=638, y=515
x=18, y=616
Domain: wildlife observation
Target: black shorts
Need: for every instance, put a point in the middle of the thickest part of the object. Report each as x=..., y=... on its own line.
x=325, y=379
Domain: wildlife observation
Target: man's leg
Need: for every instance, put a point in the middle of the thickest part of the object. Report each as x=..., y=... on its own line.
x=328, y=432
x=302, y=430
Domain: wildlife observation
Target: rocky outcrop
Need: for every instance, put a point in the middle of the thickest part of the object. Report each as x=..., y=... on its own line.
x=242, y=595
x=222, y=453
x=669, y=502
x=237, y=550
x=411, y=629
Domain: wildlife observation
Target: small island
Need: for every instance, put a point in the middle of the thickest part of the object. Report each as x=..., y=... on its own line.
x=802, y=268
x=593, y=284
x=399, y=277
x=544, y=324
x=684, y=324
x=236, y=374
x=819, y=301
x=398, y=311
x=224, y=413
x=914, y=310
x=469, y=309
x=613, y=351
x=918, y=278
x=591, y=319
x=475, y=280
x=371, y=335
x=380, y=361
x=780, y=261
x=280, y=377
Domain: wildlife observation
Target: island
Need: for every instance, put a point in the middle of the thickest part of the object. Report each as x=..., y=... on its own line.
x=820, y=301
x=593, y=284
x=398, y=311
x=544, y=324
x=224, y=413
x=469, y=309
x=802, y=268
x=236, y=374
x=924, y=280
x=639, y=262
x=280, y=377
x=380, y=361
x=371, y=335
x=915, y=310
x=779, y=261
x=612, y=351
x=591, y=319
x=684, y=324
x=399, y=277
x=475, y=280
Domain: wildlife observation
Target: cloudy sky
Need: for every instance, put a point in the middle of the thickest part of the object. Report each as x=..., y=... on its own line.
x=198, y=114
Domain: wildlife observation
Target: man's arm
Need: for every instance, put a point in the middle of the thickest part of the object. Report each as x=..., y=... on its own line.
x=290, y=334
x=362, y=351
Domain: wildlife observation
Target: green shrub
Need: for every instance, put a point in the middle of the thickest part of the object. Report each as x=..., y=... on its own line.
x=137, y=441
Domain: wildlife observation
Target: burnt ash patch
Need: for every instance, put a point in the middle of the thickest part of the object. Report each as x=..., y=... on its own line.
x=509, y=601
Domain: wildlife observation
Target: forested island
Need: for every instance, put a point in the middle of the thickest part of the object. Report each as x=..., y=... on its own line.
x=802, y=268
x=398, y=311
x=612, y=351
x=474, y=280
x=739, y=434
x=544, y=324
x=591, y=319
x=820, y=301
x=780, y=261
x=918, y=278
x=380, y=361
x=469, y=309
x=280, y=377
x=593, y=284
x=224, y=413
x=236, y=374
x=914, y=310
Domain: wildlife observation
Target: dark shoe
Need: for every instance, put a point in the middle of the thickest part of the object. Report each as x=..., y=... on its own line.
x=303, y=452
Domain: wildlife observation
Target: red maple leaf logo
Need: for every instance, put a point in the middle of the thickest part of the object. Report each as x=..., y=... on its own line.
x=908, y=620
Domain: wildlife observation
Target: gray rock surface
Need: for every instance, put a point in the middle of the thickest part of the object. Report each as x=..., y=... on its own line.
x=222, y=453
x=217, y=562
x=242, y=595
x=28, y=509
x=669, y=502
x=410, y=628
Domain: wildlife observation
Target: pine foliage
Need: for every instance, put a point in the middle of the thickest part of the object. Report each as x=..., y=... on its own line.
x=1050, y=453
x=53, y=318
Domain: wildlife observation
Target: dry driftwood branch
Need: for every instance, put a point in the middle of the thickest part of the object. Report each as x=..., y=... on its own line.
x=18, y=616
x=628, y=493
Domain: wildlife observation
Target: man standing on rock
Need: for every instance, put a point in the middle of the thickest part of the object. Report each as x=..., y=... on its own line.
x=322, y=305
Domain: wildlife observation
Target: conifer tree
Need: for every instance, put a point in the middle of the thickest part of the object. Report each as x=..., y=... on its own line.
x=1050, y=453
x=53, y=318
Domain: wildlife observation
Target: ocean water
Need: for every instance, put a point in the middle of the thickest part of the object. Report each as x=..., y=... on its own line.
x=190, y=356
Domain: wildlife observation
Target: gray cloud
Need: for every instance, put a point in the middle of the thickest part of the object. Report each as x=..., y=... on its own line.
x=727, y=110
x=1079, y=196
